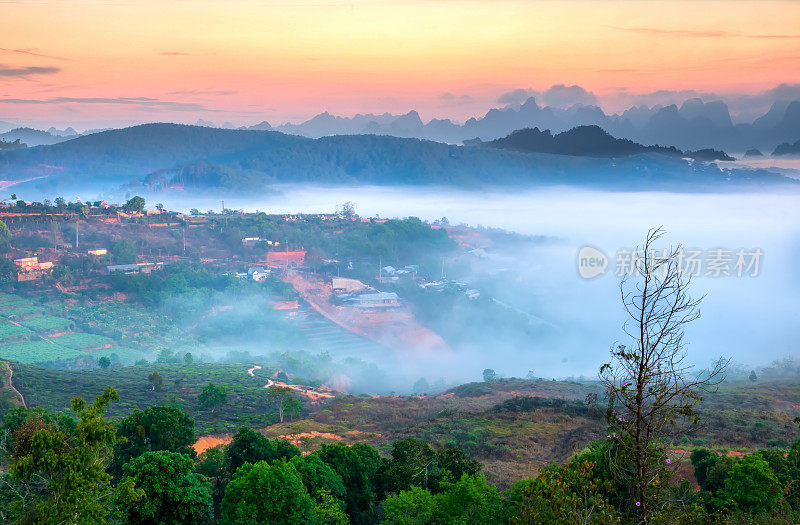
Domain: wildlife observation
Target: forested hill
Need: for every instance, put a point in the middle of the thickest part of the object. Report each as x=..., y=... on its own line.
x=162, y=156
x=122, y=154
x=592, y=141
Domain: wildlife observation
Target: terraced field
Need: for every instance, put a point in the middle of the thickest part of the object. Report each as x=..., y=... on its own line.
x=31, y=335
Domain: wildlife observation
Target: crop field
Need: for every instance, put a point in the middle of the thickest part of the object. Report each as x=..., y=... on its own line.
x=12, y=331
x=248, y=400
x=37, y=352
x=82, y=341
x=19, y=311
x=7, y=300
x=48, y=323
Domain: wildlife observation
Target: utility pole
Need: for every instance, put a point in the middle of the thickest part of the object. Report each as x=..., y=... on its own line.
x=380, y=269
x=77, y=223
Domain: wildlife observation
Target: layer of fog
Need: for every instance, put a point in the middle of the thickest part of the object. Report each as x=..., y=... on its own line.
x=752, y=320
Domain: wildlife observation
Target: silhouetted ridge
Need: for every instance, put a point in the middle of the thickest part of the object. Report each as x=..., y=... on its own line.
x=591, y=141
x=788, y=149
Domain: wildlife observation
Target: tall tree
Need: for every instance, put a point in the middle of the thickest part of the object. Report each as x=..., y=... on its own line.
x=73, y=465
x=285, y=401
x=171, y=493
x=212, y=396
x=649, y=383
x=249, y=446
x=152, y=429
x=5, y=234
x=264, y=493
x=135, y=204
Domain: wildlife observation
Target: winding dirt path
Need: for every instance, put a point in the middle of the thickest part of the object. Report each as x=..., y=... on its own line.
x=11, y=383
x=270, y=382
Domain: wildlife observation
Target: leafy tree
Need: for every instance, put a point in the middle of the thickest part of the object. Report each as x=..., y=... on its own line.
x=5, y=234
x=416, y=463
x=421, y=386
x=211, y=464
x=212, y=396
x=703, y=460
x=124, y=252
x=32, y=419
x=73, y=466
x=134, y=204
x=267, y=493
x=194, y=211
x=414, y=506
x=792, y=488
x=489, y=375
x=8, y=272
x=249, y=446
x=155, y=380
x=319, y=478
x=412, y=464
x=753, y=376
x=172, y=493
x=188, y=358
x=285, y=401
x=752, y=486
x=648, y=384
x=104, y=362
x=470, y=500
x=329, y=510
x=567, y=493
x=155, y=428
x=358, y=466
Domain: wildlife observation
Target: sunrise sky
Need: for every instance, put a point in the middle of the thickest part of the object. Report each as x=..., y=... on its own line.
x=88, y=63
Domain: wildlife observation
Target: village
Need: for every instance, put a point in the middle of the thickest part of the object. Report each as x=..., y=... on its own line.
x=73, y=249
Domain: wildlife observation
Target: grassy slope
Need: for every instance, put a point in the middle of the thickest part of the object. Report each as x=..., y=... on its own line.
x=512, y=438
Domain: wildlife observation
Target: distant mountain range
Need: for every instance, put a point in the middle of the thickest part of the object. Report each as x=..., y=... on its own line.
x=694, y=125
x=159, y=157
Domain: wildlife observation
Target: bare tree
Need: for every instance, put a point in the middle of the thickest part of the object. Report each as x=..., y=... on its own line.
x=650, y=385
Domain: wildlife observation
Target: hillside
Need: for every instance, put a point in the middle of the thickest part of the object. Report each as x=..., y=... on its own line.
x=161, y=156
x=788, y=149
x=513, y=426
x=692, y=124
x=591, y=141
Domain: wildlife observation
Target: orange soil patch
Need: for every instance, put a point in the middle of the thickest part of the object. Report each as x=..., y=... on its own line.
x=312, y=393
x=297, y=439
x=207, y=442
x=359, y=432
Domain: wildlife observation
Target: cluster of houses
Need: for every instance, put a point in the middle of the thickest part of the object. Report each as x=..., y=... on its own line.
x=356, y=294
x=130, y=269
x=444, y=284
x=255, y=241
x=253, y=274
x=29, y=268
